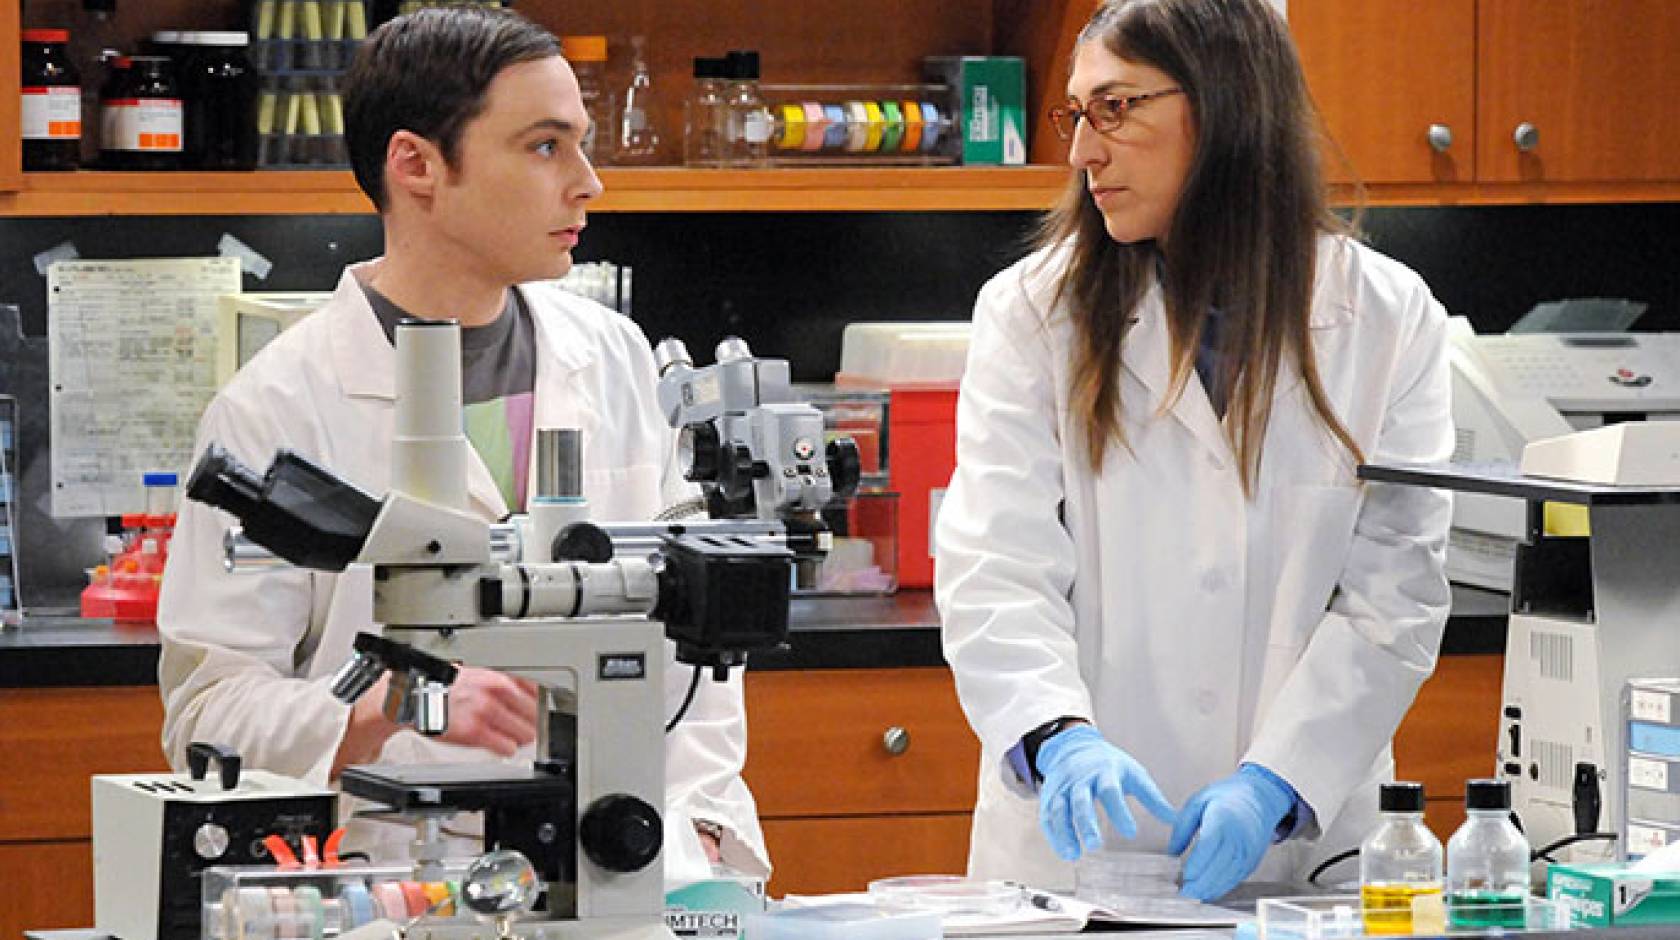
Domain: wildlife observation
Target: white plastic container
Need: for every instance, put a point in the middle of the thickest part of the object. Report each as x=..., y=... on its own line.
x=899, y=353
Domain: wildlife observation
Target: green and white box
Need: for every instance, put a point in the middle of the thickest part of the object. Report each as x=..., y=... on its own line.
x=1606, y=895
x=714, y=908
x=991, y=92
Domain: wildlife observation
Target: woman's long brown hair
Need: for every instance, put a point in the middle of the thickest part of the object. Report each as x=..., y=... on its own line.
x=1244, y=234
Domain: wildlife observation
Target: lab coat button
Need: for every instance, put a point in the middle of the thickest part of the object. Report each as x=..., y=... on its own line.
x=1213, y=580
x=1206, y=701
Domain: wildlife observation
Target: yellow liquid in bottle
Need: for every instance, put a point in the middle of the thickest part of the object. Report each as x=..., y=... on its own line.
x=1388, y=906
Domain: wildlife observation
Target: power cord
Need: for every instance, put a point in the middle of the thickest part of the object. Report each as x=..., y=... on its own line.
x=694, y=506
x=693, y=686
x=1312, y=879
x=1545, y=852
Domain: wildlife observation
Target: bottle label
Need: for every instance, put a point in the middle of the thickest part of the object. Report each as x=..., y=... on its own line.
x=146, y=125
x=52, y=113
x=756, y=126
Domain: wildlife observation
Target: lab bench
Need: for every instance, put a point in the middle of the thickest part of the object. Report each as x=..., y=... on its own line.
x=859, y=755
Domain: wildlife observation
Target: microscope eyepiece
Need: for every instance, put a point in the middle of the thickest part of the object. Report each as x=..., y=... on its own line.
x=220, y=480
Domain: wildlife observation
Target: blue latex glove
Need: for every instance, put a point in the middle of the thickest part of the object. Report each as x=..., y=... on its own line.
x=1081, y=770
x=1233, y=822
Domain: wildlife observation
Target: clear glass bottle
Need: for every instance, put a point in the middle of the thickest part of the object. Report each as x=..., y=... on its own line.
x=638, y=134
x=1399, y=862
x=704, y=115
x=1487, y=861
x=588, y=58
x=748, y=135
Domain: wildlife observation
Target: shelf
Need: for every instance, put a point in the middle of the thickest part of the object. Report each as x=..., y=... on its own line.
x=675, y=189
x=655, y=189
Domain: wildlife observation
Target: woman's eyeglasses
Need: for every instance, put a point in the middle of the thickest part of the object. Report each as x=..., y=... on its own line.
x=1105, y=113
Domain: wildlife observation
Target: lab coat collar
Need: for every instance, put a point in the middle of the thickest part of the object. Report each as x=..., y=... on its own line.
x=1146, y=351
x=367, y=364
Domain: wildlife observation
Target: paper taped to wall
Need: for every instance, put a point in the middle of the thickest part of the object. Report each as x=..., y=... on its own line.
x=131, y=365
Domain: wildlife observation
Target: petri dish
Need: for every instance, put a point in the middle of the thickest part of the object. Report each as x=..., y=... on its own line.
x=946, y=894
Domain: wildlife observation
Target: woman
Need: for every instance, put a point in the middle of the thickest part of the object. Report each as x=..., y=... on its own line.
x=1159, y=577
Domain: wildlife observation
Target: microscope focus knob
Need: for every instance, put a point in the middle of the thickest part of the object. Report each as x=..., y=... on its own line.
x=845, y=465
x=699, y=452
x=621, y=833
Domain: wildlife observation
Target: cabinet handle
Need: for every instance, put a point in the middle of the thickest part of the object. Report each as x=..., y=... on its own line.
x=1526, y=137
x=896, y=740
x=1440, y=137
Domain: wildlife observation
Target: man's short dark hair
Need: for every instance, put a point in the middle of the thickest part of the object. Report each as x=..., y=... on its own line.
x=427, y=72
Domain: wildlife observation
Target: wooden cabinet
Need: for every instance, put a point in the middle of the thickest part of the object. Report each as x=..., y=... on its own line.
x=1598, y=82
x=53, y=741
x=860, y=774
x=1451, y=734
x=1423, y=99
x=1383, y=74
x=814, y=41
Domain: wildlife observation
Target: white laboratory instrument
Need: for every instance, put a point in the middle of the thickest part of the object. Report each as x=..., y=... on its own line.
x=1633, y=453
x=1511, y=389
x=1587, y=614
x=155, y=834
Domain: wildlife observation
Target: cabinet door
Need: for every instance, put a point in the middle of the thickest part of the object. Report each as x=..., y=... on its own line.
x=827, y=856
x=54, y=739
x=1383, y=74
x=858, y=742
x=1451, y=735
x=45, y=886
x=11, y=101
x=1597, y=80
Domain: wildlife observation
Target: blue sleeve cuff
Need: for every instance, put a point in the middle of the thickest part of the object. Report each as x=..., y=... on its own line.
x=1017, y=758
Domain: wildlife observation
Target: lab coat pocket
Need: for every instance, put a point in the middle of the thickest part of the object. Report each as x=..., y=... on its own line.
x=1313, y=526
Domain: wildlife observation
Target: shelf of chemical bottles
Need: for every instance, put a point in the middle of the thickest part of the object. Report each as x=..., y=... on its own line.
x=650, y=189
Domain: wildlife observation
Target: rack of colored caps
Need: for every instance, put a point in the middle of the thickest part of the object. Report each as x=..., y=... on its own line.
x=893, y=126
x=254, y=912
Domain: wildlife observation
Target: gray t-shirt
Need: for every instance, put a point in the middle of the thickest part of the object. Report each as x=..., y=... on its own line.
x=498, y=379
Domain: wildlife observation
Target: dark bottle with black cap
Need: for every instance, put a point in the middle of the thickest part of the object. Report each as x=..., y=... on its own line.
x=1399, y=862
x=1487, y=861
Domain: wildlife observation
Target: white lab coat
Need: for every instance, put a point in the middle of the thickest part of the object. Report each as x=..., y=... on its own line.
x=1197, y=628
x=247, y=659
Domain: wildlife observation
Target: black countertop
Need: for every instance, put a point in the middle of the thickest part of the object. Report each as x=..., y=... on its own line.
x=900, y=630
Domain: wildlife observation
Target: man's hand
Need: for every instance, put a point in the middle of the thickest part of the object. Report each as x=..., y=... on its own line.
x=487, y=709
x=491, y=710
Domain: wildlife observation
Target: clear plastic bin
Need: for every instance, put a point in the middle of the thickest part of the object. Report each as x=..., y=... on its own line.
x=267, y=903
x=863, y=559
x=1332, y=917
x=857, y=413
x=862, y=125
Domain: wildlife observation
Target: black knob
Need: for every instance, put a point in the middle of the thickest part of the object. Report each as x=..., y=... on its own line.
x=698, y=450
x=582, y=541
x=621, y=833
x=845, y=467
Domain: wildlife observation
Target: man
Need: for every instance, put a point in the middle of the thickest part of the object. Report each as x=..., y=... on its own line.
x=464, y=127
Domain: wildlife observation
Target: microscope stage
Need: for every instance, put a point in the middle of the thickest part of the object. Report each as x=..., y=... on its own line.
x=464, y=787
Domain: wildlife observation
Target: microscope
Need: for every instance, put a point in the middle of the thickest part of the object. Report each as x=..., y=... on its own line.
x=583, y=610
